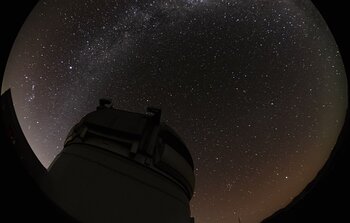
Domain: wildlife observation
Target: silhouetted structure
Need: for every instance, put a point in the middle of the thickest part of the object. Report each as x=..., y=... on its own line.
x=116, y=166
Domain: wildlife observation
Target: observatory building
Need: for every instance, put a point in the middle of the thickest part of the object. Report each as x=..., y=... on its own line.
x=117, y=166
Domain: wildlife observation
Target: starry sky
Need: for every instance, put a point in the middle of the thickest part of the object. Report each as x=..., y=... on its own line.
x=256, y=88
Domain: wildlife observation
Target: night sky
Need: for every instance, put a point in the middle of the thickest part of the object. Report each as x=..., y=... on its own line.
x=256, y=89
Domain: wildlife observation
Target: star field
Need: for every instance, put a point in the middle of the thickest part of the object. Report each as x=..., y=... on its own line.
x=256, y=89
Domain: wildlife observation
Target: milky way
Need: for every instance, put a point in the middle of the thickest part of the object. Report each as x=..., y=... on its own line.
x=256, y=89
